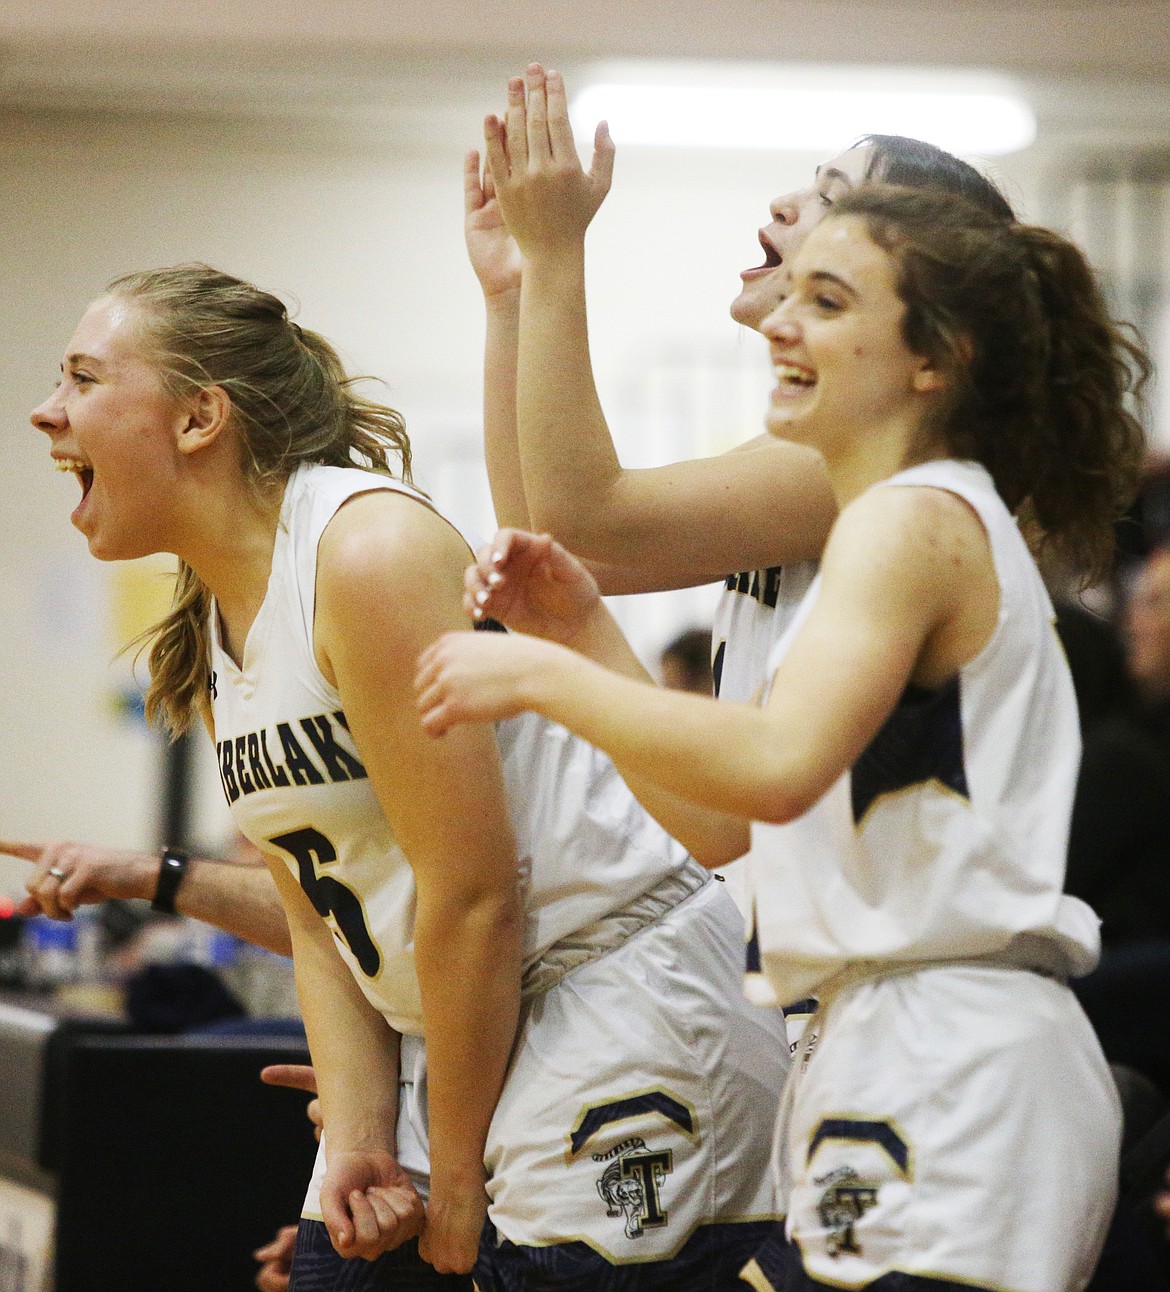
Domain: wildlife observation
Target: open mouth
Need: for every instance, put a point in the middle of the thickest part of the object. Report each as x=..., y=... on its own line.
x=772, y=258
x=791, y=377
x=82, y=470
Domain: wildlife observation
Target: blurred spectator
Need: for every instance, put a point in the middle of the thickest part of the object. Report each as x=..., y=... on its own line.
x=1119, y=851
x=1147, y=629
x=1119, y=861
x=1096, y=659
x=1119, y=848
x=686, y=662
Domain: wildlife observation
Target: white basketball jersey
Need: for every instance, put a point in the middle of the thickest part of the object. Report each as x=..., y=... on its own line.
x=947, y=838
x=753, y=610
x=297, y=788
x=751, y=615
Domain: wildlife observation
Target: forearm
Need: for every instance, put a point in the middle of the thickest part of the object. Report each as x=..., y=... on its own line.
x=567, y=455
x=239, y=899
x=468, y=956
x=713, y=838
x=599, y=638
x=355, y=1051
x=355, y=1055
x=501, y=450
x=725, y=758
x=235, y=897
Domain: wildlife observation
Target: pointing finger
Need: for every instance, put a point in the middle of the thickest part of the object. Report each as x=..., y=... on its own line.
x=26, y=851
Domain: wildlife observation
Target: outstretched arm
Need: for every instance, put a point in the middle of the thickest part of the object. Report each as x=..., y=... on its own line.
x=239, y=898
x=688, y=523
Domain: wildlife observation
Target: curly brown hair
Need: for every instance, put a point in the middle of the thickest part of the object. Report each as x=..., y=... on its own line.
x=1041, y=380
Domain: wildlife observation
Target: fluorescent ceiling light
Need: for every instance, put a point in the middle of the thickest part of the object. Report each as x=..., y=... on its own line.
x=816, y=118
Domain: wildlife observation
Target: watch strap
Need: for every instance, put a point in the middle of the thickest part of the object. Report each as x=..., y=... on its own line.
x=172, y=868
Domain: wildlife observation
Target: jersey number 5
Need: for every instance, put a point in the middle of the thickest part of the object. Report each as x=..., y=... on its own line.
x=312, y=852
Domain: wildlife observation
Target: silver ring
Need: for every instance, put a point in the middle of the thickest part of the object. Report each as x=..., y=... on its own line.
x=58, y=873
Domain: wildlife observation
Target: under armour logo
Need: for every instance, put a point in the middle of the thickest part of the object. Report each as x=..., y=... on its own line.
x=211, y=686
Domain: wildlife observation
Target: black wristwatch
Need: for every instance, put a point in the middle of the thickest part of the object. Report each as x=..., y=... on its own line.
x=171, y=870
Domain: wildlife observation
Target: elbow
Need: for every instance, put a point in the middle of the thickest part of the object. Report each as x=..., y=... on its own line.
x=778, y=803
x=492, y=917
x=594, y=523
x=722, y=848
x=561, y=523
x=779, y=814
x=497, y=915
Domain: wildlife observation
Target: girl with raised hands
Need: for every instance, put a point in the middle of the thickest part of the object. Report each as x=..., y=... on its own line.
x=756, y=517
x=911, y=771
x=521, y=995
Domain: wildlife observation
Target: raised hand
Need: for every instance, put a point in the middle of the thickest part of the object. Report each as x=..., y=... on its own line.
x=546, y=197
x=478, y=677
x=531, y=584
x=297, y=1076
x=491, y=248
x=69, y=875
x=369, y=1204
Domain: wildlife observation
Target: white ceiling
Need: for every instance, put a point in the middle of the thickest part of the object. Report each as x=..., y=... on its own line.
x=358, y=54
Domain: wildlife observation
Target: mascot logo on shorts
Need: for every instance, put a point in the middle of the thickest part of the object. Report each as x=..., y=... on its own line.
x=630, y=1184
x=845, y=1200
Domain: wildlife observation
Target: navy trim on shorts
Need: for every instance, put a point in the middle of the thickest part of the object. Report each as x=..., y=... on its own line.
x=777, y=1267
x=710, y=1261
x=318, y=1268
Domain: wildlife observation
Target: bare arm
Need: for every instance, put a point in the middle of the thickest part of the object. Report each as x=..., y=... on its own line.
x=238, y=898
x=908, y=594
x=496, y=260
x=531, y=584
x=367, y=1201
x=688, y=523
x=389, y=583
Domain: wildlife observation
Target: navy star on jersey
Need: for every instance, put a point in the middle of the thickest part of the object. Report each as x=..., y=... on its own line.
x=921, y=741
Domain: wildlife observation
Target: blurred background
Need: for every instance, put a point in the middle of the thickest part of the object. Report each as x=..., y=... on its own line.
x=317, y=149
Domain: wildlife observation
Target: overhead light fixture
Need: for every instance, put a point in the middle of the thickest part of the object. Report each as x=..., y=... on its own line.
x=821, y=112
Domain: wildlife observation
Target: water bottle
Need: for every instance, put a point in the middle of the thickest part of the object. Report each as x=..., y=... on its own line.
x=50, y=953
